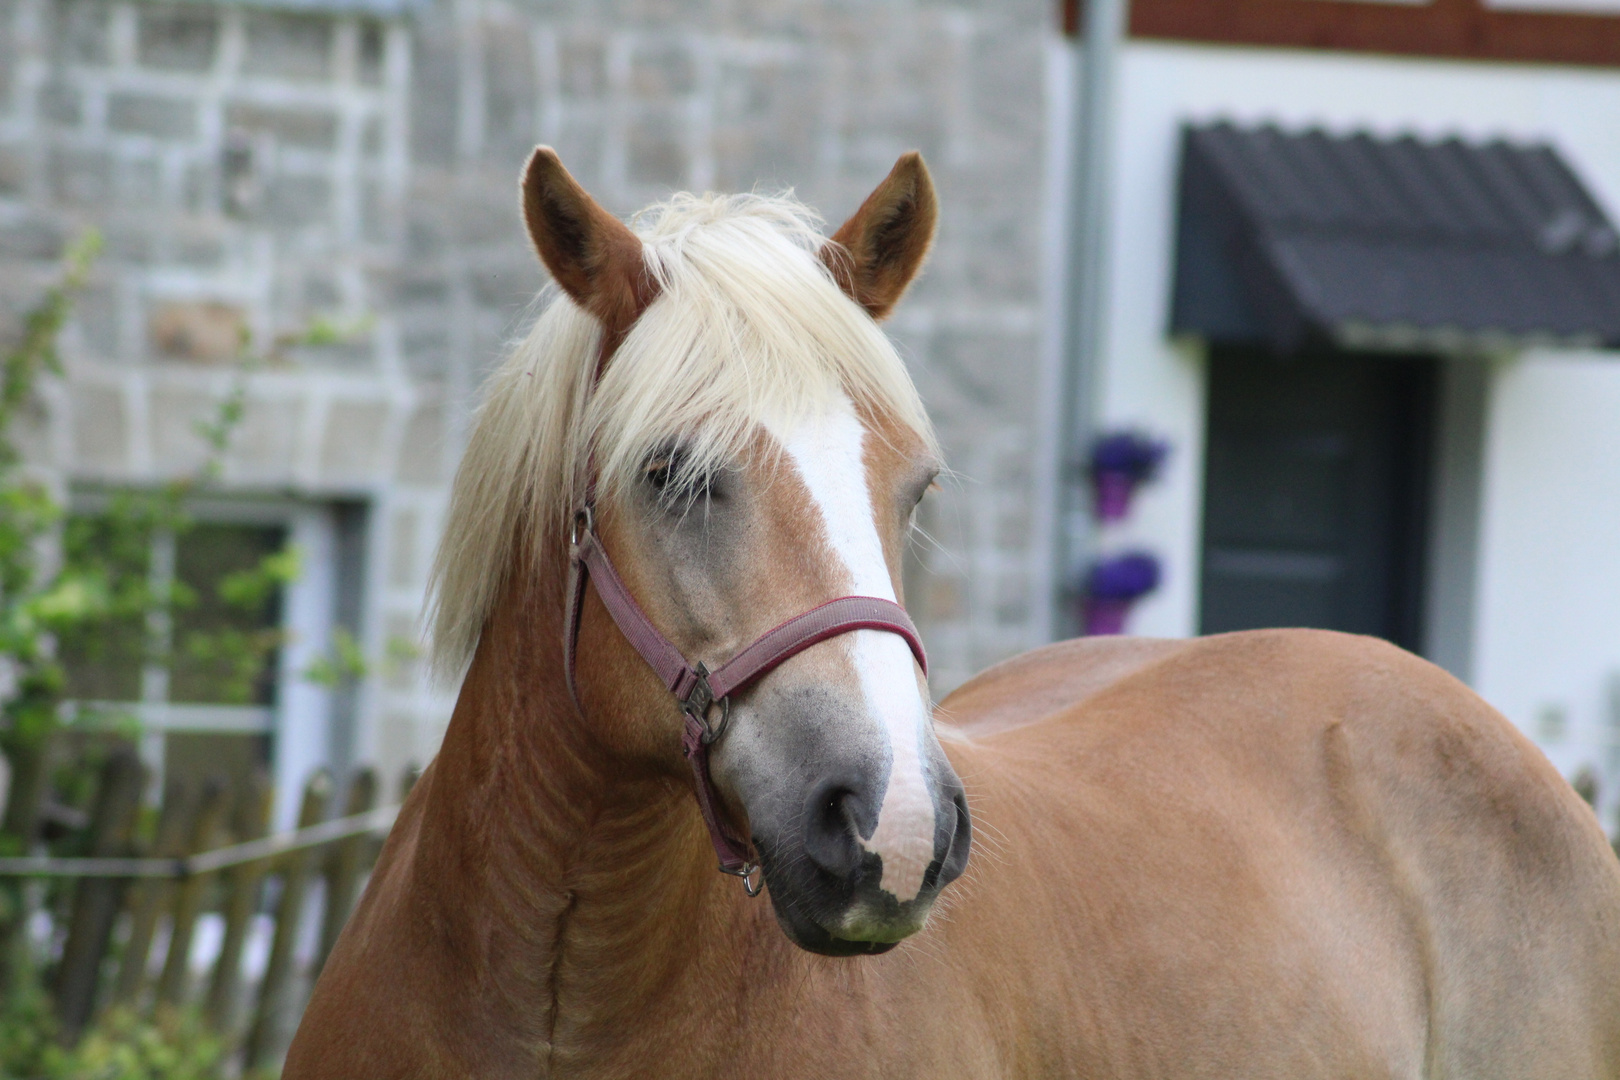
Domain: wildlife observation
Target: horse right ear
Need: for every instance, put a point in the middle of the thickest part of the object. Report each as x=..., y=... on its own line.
x=591, y=254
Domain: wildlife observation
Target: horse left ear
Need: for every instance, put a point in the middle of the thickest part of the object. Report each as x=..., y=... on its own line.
x=875, y=254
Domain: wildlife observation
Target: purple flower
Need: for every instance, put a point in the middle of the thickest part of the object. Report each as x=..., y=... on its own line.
x=1124, y=577
x=1130, y=453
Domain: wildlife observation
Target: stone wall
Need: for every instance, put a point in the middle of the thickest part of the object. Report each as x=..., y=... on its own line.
x=257, y=172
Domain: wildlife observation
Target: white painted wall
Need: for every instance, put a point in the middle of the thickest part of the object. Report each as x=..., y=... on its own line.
x=1547, y=645
x=1547, y=613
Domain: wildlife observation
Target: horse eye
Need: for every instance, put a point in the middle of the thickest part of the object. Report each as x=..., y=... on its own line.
x=667, y=475
x=658, y=473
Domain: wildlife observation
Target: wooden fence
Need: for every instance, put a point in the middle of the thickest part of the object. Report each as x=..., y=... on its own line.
x=119, y=923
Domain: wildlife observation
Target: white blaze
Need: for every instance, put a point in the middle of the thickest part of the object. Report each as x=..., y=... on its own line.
x=827, y=451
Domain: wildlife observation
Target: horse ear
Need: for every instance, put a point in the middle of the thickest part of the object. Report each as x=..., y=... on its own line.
x=875, y=254
x=591, y=254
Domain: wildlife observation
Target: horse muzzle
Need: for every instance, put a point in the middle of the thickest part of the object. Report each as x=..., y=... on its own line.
x=828, y=889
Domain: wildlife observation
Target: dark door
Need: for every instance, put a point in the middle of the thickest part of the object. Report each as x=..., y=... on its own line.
x=1315, y=491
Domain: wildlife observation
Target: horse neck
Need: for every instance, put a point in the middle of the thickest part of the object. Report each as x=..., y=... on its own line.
x=586, y=892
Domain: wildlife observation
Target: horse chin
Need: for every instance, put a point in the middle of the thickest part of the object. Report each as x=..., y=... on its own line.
x=867, y=926
x=813, y=938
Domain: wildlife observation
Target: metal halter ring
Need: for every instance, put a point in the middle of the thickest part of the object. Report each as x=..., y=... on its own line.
x=584, y=522
x=747, y=874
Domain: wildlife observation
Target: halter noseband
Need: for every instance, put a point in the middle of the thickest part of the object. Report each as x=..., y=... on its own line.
x=696, y=688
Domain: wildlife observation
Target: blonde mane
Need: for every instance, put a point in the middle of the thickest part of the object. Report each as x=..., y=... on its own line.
x=749, y=327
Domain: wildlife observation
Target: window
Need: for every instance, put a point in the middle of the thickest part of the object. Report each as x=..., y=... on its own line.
x=217, y=678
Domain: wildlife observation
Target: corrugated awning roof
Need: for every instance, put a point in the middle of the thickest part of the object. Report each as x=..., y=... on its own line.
x=1389, y=243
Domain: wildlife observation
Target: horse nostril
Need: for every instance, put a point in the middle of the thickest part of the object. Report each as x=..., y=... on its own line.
x=830, y=837
x=953, y=860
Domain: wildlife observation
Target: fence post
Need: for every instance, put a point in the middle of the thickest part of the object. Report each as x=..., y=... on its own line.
x=206, y=833
x=289, y=914
x=344, y=866
x=29, y=776
x=96, y=902
x=240, y=903
x=148, y=898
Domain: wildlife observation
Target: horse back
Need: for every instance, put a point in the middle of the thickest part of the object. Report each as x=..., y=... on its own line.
x=1309, y=835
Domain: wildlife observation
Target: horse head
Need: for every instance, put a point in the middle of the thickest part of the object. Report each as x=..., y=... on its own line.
x=712, y=397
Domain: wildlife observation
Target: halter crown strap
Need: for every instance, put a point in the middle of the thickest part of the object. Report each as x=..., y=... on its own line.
x=697, y=688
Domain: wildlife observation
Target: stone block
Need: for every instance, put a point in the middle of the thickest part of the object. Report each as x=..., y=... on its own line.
x=60, y=103
x=296, y=201
x=404, y=664
x=145, y=114
x=177, y=448
x=80, y=177
x=1011, y=601
x=509, y=94
x=1005, y=76
x=176, y=39
x=197, y=248
x=582, y=67
x=96, y=314
x=402, y=553
x=352, y=446
x=581, y=143
x=198, y=331
x=380, y=217
x=414, y=289
x=426, y=354
x=320, y=292
x=656, y=154
x=435, y=93
x=100, y=428
x=78, y=31
x=287, y=46
x=138, y=185
x=508, y=284
x=32, y=237
x=128, y=242
x=265, y=444
x=662, y=70
x=987, y=374
x=15, y=168
x=32, y=432
x=1002, y=257
x=373, y=45
x=421, y=451
x=397, y=740
x=483, y=214
x=312, y=129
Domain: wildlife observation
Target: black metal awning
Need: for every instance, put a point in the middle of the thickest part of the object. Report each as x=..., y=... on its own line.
x=1389, y=244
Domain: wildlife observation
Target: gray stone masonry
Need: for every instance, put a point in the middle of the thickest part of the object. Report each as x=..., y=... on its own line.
x=253, y=170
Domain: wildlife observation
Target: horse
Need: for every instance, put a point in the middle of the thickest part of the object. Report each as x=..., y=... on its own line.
x=1285, y=853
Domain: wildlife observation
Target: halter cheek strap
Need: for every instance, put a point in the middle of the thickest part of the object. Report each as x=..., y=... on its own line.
x=696, y=688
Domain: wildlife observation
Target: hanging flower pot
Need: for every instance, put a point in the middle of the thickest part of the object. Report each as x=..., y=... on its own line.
x=1112, y=586
x=1120, y=463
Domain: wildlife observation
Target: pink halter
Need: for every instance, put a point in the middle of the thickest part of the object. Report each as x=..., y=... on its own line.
x=695, y=687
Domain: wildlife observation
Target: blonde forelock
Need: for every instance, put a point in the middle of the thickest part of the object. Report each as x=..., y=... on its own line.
x=749, y=327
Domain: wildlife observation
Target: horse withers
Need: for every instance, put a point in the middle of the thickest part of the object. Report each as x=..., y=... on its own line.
x=671, y=577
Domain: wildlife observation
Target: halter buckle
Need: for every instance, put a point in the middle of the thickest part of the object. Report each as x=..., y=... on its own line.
x=697, y=703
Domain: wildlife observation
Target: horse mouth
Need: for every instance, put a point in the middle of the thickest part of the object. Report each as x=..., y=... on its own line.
x=817, y=939
x=866, y=927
